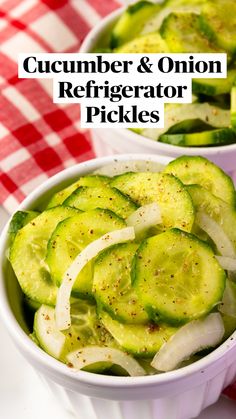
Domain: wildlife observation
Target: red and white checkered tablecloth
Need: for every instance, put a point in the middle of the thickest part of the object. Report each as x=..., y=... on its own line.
x=37, y=137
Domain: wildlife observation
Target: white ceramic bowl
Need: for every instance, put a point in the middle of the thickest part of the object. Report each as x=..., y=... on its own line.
x=119, y=140
x=180, y=394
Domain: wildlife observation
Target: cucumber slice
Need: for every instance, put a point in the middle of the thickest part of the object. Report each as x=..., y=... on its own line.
x=155, y=22
x=151, y=43
x=196, y=169
x=229, y=325
x=233, y=107
x=214, y=87
x=71, y=237
x=138, y=339
x=197, y=139
x=181, y=281
x=19, y=220
x=169, y=193
x=219, y=24
x=216, y=208
x=174, y=115
x=181, y=31
x=132, y=21
x=85, y=330
x=112, y=284
x=28, y=252
x=87, y=199
x=90, y=180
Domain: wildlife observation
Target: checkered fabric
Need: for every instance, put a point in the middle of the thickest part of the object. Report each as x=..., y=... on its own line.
x=37, y=137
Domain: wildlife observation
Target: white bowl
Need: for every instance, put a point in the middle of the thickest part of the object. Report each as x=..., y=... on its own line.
x=180, y=394
x=119, y=140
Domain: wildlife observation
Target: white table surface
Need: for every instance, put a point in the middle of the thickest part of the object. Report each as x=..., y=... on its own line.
x=23, y=396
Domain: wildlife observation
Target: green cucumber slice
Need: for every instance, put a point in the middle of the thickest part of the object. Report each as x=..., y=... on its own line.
x=218, y=23
x=169, y=193
x=85, y=330
x=71, y=237
x=132, y=21
x=229, y=325
x=178, y=113
x=214, y=87
x=28, y=252
x=19, y=220
x=90, y=180
x=233, y=107
x=198, y=170
x=112, y=284
x=181, y=31
x=138, y=339
x=180, y=281
x=198, y=139
x=151, y=43
x=85, y=199
x=216, y=208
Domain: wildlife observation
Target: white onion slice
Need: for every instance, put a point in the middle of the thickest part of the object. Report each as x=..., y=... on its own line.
x=216, y=233
x=189, y=339
x=145, y=217
x=228, y=264
x=228, y=305
x=92, y=354
x=50, y=338
x=120, y=167
x=63, y=319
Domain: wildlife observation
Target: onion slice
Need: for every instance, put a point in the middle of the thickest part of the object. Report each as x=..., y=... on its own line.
x=145, y=217
x=216, y=233
x=63, y=319
x=228, y=264
x=92, y=354
x=228, y=305
x=189, y=339
x=120, y=167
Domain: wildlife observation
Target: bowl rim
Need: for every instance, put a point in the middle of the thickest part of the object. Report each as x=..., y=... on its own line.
x=55, y=366
x=87, y=44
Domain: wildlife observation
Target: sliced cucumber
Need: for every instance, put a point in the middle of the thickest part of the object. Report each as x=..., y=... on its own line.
x=141, y=340
x=196, y=169
x=19, y=220
x=173, y=199
x=112, y=284
x=90, y=180
x=85, y=330
x=181, y=280
x=178, y=113
x=219, y=24
x=28, y=252
x=233, y=107
x=155, y=22
x=49, y=337
x=85, y=199
x=181, y=31
x=216, y=208
x=214, y=138
x=132, y=21
x=72, y=236
x=229, y=325
x=214, y=87
x=151, y=43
